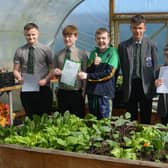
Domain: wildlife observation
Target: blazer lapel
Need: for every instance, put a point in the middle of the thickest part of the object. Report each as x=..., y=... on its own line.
x=143, y=51
x=130, y=52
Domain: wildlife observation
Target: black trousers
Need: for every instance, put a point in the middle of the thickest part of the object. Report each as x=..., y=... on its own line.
x=161, y=108
x=71, y=101
x=37, y=102
x=139, y=100
x=164, y=120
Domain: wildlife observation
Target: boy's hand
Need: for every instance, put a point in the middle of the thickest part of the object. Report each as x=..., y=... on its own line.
x=20, y=81
x=97, y=60
x=82, y=75
x=158, y=82
x=57, y=72
x=43, y=82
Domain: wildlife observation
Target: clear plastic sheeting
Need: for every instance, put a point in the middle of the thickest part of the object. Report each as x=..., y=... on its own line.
x=14, y=14
x=139, y=6
x=88, y=17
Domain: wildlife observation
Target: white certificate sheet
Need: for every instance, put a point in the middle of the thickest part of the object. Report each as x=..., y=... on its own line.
x=69, y=72
x=30, y=82
x=164, y=76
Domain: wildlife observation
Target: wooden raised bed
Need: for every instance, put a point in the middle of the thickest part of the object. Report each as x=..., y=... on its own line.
x=15, y=156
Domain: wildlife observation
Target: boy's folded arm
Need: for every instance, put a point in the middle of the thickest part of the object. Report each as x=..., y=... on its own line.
x=101, y=76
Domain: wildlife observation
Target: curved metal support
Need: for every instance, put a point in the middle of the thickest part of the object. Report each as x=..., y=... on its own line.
x=68, y=13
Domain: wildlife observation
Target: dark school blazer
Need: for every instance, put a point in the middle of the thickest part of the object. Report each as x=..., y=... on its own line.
x=148, y=64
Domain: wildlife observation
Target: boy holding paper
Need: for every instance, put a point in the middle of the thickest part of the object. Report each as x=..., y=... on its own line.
x=68, y=62
x=32, y=62
x=102, y=64
x=163, y=94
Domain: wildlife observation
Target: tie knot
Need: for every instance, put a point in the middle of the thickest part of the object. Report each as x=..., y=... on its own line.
x=68, y=53
x=68, y=50
x=31, y=48
x=138, y=43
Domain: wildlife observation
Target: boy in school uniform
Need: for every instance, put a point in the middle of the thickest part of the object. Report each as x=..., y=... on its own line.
x=31, y=65
x=138, y=60
x=70, y=96
x=162, y=108
x=102, y=64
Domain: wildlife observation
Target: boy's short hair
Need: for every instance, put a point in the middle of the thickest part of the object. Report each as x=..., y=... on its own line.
x=70, y=29
x=102, y=30
x=137, y=19
x=29, y=26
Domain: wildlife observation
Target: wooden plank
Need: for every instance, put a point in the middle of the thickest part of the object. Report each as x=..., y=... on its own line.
x=10, y=88
x=15, y=156
x=18, y=87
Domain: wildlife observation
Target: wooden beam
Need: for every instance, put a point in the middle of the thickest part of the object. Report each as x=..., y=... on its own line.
x=115, y=19
x=111, y=14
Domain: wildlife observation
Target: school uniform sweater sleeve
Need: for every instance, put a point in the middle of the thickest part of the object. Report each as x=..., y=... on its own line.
x=106, y=69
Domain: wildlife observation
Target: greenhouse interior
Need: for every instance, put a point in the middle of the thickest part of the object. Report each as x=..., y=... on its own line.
x=84, y=83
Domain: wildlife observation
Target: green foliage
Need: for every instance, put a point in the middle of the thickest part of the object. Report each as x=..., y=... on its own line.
x=117, y=137
x=119, y=81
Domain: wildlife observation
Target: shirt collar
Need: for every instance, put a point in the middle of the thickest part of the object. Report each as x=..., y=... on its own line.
x=138, y=42
x=34, y=45
x=98, y=50
x=70, y=48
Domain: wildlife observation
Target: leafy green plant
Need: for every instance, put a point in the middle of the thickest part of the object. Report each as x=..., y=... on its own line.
x=118, y=137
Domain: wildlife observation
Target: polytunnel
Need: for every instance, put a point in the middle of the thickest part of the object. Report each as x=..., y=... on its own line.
x=53, y=15
x=118, y=48
x=14, y=14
